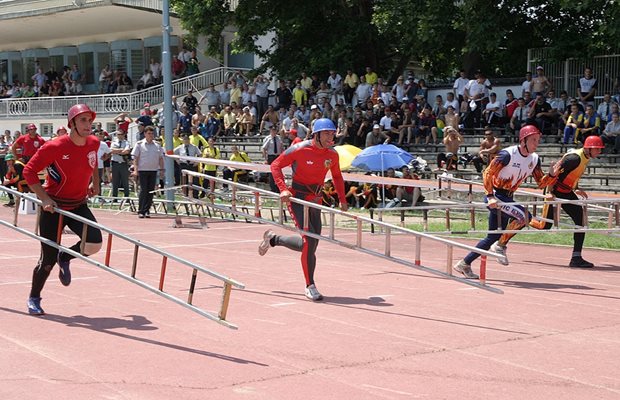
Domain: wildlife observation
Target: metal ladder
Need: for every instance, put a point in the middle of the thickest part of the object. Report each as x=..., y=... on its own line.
x=227, y=283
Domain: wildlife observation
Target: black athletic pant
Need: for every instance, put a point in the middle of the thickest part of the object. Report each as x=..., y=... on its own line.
x=573, y=210
x=48, y=228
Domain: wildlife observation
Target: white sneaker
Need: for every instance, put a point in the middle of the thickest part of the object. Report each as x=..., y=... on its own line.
x=266, y=243
x=501, y=250
x=465, y=269
x=313, y=294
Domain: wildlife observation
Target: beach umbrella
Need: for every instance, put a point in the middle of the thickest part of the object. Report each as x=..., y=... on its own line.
x=346, y=154
x=381, y=157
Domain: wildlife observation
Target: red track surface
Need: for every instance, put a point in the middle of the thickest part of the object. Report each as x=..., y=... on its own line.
x=384, y=331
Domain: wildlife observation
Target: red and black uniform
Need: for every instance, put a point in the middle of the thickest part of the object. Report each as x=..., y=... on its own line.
x=28, y=145
x=69, y=171
x=310, y=165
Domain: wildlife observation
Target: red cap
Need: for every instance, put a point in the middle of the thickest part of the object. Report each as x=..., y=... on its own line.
x=147, y=105
x=294, y=132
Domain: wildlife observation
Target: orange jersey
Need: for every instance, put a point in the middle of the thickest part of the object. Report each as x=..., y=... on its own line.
x=572, y=167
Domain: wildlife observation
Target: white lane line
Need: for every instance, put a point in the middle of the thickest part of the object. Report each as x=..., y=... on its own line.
x=269, y=321
x=387, y=390
x=282, y=304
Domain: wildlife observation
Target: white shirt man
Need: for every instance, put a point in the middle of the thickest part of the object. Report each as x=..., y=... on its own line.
x=363, y=90
x=459, y=85
x=335, y=82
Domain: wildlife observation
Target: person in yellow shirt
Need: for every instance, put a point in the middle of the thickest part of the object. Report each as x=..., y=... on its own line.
x=234, y=174
x=299, y=94
x=235, y=94
x=176, y=138
x=210, y=169
x=230, y=122
x=197, y=140
x=371, y=76
x=350, y=84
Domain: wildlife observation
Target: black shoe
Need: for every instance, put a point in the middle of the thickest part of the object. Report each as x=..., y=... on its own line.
x=10, y=204
x=579, y=262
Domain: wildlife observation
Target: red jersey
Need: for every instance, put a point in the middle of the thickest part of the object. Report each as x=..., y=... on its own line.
x=29, y=145
x=69, y=169
x=310, y=165
x=296, y=140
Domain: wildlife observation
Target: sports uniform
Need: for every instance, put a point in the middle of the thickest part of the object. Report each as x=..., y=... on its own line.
x=71, y=161
x=508, y=170
x=28, y=145
x=572, y=167
x=310, y=163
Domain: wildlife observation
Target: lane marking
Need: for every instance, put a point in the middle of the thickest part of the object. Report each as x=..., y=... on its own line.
x=388, y=390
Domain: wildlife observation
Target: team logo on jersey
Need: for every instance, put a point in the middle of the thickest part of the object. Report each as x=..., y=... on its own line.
x=530, y=165
x=65, y=156
x=92, y=159
x=328, y=164
x=36, y=143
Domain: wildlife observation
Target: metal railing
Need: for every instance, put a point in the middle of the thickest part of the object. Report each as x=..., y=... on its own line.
x=57, y=106
x=564, y=75
x=358, y=221
x=227, y=282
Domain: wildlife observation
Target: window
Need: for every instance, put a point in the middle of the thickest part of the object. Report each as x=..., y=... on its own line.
x=87, y=67
x=47, y=129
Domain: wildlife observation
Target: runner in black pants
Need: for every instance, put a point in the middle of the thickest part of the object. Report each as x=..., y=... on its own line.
x=71, y=162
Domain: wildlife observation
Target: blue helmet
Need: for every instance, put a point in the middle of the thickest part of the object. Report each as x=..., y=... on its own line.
x=323, y=124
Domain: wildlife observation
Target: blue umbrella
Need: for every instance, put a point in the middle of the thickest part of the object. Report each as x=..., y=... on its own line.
x=381, y=157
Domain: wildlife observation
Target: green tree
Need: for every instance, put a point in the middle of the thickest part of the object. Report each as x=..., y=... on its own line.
x=443, y=35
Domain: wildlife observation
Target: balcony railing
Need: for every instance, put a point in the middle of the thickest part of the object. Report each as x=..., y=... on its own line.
x=110, y=103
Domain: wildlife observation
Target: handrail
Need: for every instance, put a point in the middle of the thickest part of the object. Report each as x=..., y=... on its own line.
x=228, y=282
x=57, y=106
x=331, y=237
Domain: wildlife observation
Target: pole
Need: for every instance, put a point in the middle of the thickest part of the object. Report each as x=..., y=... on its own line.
x=167, y=75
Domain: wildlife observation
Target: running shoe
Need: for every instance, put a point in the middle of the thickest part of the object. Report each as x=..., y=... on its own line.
x=64, y=273
x=465, y=269
x=313, y=294
x=501, y=250
x=266, y=243
x=34, y=306
x=579, y=262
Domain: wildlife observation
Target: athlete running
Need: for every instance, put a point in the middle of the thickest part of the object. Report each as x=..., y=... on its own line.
x=502, y=178
x=310, y=161
x=572, y=167
x=72, y=177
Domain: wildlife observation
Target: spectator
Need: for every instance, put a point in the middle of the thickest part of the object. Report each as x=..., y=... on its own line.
x=334, y=81
x=284, y=96
x=459, y=86
x=591, y=124
x=527, y=84
x=371, y=76
x=604, y=109
x=272, y=147
x=75, y=80
x=120, y=156
x=105, y=78
x=542, y=113
x=146, y=80
x=452, y=141
x=611, y=134
x=376, y=136
x=262, y=93
x=489, y=147
x=210, y=169
x=587, y=88
x=540, y=84
x=232, y=173
x=148, y=160
x=299, y=94
x=351, y=81
x=573, y=124
x=363, y=91
x=13, y=177
x=155, y=68
x=187, y=149
x=192, y=64
x=519, y=116
x=427, y=127
x=409, y=194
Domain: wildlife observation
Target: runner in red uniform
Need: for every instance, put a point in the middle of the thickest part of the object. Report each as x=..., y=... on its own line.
x=310, y=161
x=27, y=145
x=71, y=162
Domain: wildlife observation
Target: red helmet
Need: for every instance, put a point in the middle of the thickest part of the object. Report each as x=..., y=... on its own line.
x=31, y=127
x=528, y=130
x=77, y=110
x=593, y=142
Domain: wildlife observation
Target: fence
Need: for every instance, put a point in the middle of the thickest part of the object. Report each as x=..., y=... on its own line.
x=564, y=75
x=110, y=103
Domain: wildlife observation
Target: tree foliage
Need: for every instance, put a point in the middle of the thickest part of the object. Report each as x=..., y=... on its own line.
x=442, y=35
